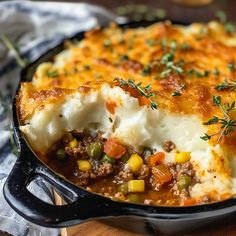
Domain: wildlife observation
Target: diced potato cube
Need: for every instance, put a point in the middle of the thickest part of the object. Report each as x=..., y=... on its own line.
x=135, y=162
x=136, y=186
x=182, y=157
x=84, y=165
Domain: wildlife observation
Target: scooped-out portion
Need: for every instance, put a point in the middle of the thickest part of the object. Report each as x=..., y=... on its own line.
x=142, y=115
x=105, y=141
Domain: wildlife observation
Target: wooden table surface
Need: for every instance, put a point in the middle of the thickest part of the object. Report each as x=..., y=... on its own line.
x=226, y=227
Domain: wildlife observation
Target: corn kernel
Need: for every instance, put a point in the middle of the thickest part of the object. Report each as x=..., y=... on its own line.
x=73, y=143
x=84, y=165
x=136, y=186
x=182, y=157
x=135, y=162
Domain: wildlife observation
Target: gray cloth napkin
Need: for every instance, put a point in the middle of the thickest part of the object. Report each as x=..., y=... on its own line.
x=33, y=27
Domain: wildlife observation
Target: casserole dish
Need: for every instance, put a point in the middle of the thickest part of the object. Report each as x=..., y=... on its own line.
x=83, y=205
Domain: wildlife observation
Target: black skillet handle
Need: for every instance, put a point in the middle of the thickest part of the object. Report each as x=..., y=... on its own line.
x=84, y=205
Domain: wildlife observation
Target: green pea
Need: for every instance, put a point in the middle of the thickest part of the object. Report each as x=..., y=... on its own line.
x=123, y=188
x=108, y=159
x=184, y=182
x=134, y=198
x=61, y=155
x=125, y=157
x=95, y=150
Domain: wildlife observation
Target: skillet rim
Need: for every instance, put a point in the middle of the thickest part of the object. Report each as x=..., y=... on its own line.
x=169, y=210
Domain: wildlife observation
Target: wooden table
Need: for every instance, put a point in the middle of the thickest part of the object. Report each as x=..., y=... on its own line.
x=178, y=13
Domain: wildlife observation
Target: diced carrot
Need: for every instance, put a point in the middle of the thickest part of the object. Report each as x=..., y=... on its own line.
x=113, y=149
x=143, y=101
x=157, y=158
x=189, y=202
x=111, y=105
x=162, y=174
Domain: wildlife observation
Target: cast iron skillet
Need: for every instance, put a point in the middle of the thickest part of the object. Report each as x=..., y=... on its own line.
x=83, y=205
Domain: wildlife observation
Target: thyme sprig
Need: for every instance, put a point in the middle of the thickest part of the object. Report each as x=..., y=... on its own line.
x=143, y=91
x=227, y=124
x=167, y=60
x=226, y=86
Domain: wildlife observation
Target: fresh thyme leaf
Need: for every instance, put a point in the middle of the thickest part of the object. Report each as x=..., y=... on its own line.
x=52, y=74
x=226, y=86
x=211, y=121
x=222, y=16
x=168, y=61
x=231, y=66
x=146, y=70
x=176, y=93
x=215, y=72
x=185, y=46
x=190, y=72
x=144, y=91
x=150, y=42
x=179, y=91
x=168, y=57
x=173, y=46
x=227, y=124
x=124, y=58
x=216, y=100
x=202, y=74
x=165, y=73
x=164, y=44
x=222, y=86
x=206, y=137
x=153, y=105
x=230, y=28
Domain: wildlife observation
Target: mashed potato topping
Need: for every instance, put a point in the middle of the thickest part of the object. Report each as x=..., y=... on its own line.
x=185, y=68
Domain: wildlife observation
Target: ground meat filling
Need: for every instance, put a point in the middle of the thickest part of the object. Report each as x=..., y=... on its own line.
x=110, y=168
x=168, y=146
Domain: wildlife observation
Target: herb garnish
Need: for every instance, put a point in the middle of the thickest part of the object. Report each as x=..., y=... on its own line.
x=226, y=86
x=143, y=91
x=198, y=74
x=150, y=42
x=226, y=123
x=178, y=92
x=168, y=61
x=229, y=27
x=124, y=58
x=216, y=71
x=52, y=74
x=231, y=66
x=146, y=70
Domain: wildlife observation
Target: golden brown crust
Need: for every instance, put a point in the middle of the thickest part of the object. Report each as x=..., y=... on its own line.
x=106, y=54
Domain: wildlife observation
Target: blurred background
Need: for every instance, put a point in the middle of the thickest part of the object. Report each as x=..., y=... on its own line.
x=178, y=10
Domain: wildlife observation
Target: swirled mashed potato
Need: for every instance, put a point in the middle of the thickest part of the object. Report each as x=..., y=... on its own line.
x=78, y=92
